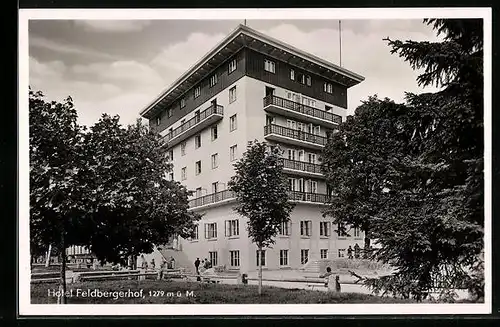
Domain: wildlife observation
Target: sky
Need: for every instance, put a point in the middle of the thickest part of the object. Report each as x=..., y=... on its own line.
x=119, y=66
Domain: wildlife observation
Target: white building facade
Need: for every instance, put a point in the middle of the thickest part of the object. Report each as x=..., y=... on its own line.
x=252, y=87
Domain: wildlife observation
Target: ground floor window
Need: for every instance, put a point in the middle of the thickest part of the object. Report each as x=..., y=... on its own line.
x=213, y=258
x=323, y=253
x=283, y=257
x=235, y=258
x=341, y=253
x=304, y=256
x=261, y=255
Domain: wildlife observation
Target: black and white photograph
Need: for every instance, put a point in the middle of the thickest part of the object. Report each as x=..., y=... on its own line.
x=256, y=162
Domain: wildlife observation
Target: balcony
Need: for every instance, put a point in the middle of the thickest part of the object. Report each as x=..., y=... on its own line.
x=295, y=137
x=305, y=197
x=226, y=196
x=210, y=200
x=302, y=168
x=300, y=111
x=194, y=125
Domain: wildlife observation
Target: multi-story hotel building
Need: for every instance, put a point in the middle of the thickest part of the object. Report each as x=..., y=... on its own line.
x=253, y=87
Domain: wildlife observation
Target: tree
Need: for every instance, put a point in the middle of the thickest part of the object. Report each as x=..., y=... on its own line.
x=132, y=205
x=55, y=163
x=421, y=180
x=355, y=163
x=105, y=188
x=260, y=188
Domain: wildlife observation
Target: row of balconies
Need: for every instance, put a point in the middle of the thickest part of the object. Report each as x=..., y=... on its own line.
x=227, y=196
x=272, y=132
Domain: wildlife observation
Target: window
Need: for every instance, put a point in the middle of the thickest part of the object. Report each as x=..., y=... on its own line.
x=235, y=258
x=328, y=88
x=213, y=132
x=171, y=176
x=195, y=235
x=213, y=80
x=311, y=157
x=233, y=123
x=233, y=152
x=262, y=256
x=341, y=231
x=197, y=141
x=304, y=256
x=232, y=66
x=283, y=257
x=215, y=160
x=269, y=66
x=198, y=167
x=305, y=227
x=169, y=112
x=170, y=155
x=292, y=74
x=357, y=232
x=210, y=230
x=324, y=228
x=232, y=227
x=215, y=187
x=284, y=228
x=183, y=173
x=198, y=192
x=197, y=91
x=183, y=102
x=158, y=121
x=308, y=80
x=328, y=108
x=232, y=94
x=212, y=255
x=323, y=253
x=341, y=253
x=183, y=148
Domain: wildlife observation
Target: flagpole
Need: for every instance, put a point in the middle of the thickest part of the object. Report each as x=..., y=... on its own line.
x=340, y=41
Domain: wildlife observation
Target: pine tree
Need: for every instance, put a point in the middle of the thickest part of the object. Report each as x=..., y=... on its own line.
x=411, y=175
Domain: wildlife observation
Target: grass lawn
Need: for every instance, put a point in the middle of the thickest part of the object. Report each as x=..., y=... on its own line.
x=158, y=292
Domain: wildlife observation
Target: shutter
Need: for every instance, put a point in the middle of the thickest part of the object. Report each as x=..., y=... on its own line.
x=237, y=227
x=227, y=232
x=215, y=230
x=206, y=231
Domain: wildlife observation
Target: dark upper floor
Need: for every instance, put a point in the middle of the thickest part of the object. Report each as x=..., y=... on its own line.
x=247, y=52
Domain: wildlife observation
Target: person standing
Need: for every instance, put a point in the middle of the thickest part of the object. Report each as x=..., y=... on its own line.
x=349, y=252
x=326, y=275
x=356, y=251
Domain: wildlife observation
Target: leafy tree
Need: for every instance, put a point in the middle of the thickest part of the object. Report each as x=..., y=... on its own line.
x=355, y=163
x=55, y=162
x=131, y=204
x=105, y=188
x=261, y=192
x=419, y=169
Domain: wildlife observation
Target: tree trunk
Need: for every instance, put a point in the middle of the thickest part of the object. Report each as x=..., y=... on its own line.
x=62, y=285
x=47, y=258
x=259, y=262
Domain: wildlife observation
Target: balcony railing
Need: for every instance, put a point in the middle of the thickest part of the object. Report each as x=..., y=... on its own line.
x=295, y=134
x=212, y=110
x=211, y=198
x=308, y=197
x=302, y=166
x=228, y=195
x=301, y=108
